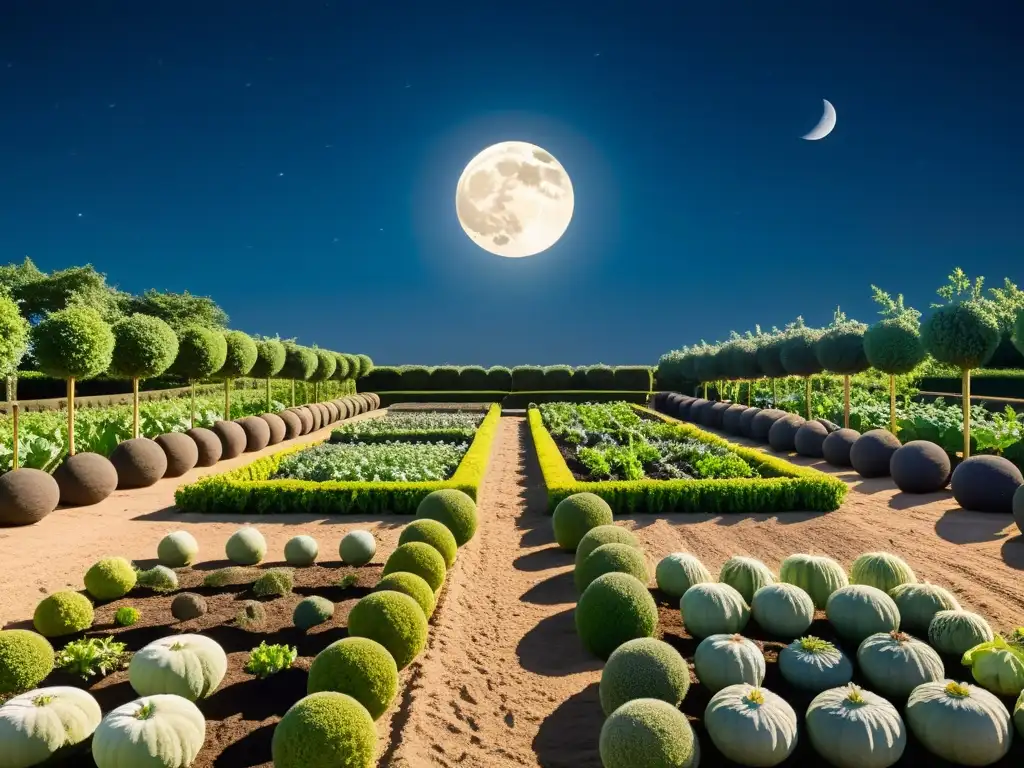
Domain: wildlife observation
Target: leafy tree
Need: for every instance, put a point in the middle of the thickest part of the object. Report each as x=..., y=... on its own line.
x=240, y=359
x=270, y=355
x=201, y=354
x=299, y=363
x=178, y=310
x=327, y=363
x=893, y=345
x=13, y=337
x=841, y=350
x=144, y=347
x=40, y=294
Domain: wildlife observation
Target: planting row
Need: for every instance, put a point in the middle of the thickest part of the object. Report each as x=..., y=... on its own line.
x=850, y=650
x=521, y=378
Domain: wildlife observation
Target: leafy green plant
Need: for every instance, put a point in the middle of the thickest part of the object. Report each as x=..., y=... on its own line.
x=232, y=576
x=348, y=580
x=376, y=462
x=275, y=582
x=126, y=616
x=92, y=656
x=265, y=660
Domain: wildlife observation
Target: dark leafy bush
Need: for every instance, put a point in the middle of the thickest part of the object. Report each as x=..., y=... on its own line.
x=707, y=365
x=144, y=346
x=961, y=334
x=73, y=343
x=632, y=378
x=1018, y=332
x=327, y=362
x=386, y=378
x=299, y=362
x=499, y=378
x=13, y=336
x=527, y=378
x=415, y=378
x=201, y=353
x=894, y=345
x=473, y=378
x=270, y=356
x=841, y=349
x=557, y=377
x=769, y=355
x=600, y=377
x=444, y=378
x=798, y=354
x=578, y=381
x=342, y=368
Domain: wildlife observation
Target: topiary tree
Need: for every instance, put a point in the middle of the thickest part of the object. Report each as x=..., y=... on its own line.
x=327, y=362
x=962, y=332
x=240, y=359
x=73, y=343
x=841, y=350
x=144, y=346
x=355, y=366
x=299, y=364
x=341, y=370
x=201, y=354
x=1018, y=332
x=13, y=343
x=893, y=345
x=365, y=365
x=744, y=359
x=797, y=355
x=270, y=356
x=706, y=364
x=769, y=358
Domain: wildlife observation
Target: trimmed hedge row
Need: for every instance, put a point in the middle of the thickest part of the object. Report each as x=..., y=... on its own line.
x=787, y=487
x=523, y=378
x=513, y=399
x=248, y=489
x=983, y=384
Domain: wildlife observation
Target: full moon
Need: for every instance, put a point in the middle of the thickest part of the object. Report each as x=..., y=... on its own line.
x=514, y=199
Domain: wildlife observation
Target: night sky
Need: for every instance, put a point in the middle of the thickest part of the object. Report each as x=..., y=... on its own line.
x=298, y=161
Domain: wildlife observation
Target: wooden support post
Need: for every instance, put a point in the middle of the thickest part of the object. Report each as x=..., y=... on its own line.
x=268, y=394
x=71, y=417
x=846, y=401
x=892, y=403
x=14, y=429
x=227, y=399
x=967, y=412
x=192, y=416
x=807, y=396
x=135, y=408
x=293, y=393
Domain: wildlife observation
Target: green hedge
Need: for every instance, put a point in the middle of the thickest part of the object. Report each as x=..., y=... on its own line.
x=513, y=399
x=783, y=487
x=984, y=383
x=523, y=378
x=247, y=490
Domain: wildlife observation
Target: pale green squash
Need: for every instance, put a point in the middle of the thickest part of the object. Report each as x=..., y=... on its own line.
x=713, y=609
x=1018, y=714
x=895, y=663
x=956, y=632
x=784, y=610
x=679, y=571
x=751, y=726
x=858, y=610
x=918, y=604
x=881, y=570
x=746, y=575
x=814, y=664
x=854, y=728
x=997, y=665
x=816, y=575
x=724, y=660
x=36, y=724
x=960, y=722
x=162, y=731
x=191, y=666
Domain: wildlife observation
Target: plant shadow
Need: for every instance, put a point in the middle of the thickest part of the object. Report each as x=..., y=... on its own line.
x=556, y=590
x=959, y=526
x=568, y=737
x=553, y=649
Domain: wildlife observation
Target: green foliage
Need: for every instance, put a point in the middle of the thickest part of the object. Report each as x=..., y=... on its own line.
x=604, y=534
x=841, y=347
x=341, y=367
x=452, y=507
x=644, y=668
x=110, y=578
x=73, y=343
x=241, y=355
x=392, y=619
x=202, y=352
x=358, y=667
x=434, y=534
x=499, y=378
x=373, y=460
x=232, y=576
x=962, y=334
x=365, y=365
x=270, y=356
x=798, y=352
x=648, y=732
x=419, y=558
x=323, y=730
x=614, y=609
x=14, y=332
x=26, y=658
x=610, y=558
x=355, y=366
x=299, y=363
x=276, y=582
x=159, y=578
x=41, y=294
x=1018, y=332
x=143, y=347
x=412, y=585
x=92, y=656
x=894, y=345
x=311, y=611
x=178, y=310
x=576, y=515
x=126, y=616
x=252, y=615
x=266, y=660
x=63, y=613
x=327, y=363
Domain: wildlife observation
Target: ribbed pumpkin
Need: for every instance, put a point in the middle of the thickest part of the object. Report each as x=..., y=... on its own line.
x=918, y=604
x=751, y=725
x=956, y=632
x=679, y=571
x=162, y=731
x=713, y=609
x=814, y=664
x=36, y=724
x=960, y=722
x=783, y=610
x=190, y=666
x=896, y=663
x=746, y=575
x=724, y=660
x=881, y=570
x=854, y=728
x=858, y=610
x=1018, y=714
x=816, y=575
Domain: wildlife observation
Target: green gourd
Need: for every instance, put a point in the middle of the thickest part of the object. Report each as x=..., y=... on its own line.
x=751, y=725
x=713, y=609
x=746, y=575
x=960, y=722
x=854, y=728
x=816, y=575
x=918, y=604
x=858, y=610
x=190, y=666
x=161, y=731
x=783, y=610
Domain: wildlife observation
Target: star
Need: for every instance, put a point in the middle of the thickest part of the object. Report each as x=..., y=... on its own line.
x=596, y=55
x=248, y=85
x=280, y=174
x=111, y=106
x=407, y=86
x=79, y=215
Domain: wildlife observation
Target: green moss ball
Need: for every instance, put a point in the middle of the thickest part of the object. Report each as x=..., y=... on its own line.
x=614, y=609
x=435, y=534
x=274, y=582
x=311, y=611
x=110, y=578
x=357, y=548
x=63, y=613
x=177, y=549
x=26, y=658
x=648, y=733
x=644, y=668
x=301, y=551
x=604, y=534
x=575, y=515
x=412, y=585
x=678, y=571
x=392, y=619
x=611, y=558
x=962, y=334
x=73, y=343
x=246, y=546
x=421, y=559
x=454, y=509
x=325, y=730
x=358, y=667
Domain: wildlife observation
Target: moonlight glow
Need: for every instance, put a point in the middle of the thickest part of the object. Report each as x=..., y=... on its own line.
x=514, y=199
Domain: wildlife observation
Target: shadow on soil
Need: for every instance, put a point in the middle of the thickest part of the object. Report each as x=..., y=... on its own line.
x=568, y=737
x=959, y=526
x=543, y=560
x=251, y=750
x=553, y=649
x=1013, y=552
x=557, y=590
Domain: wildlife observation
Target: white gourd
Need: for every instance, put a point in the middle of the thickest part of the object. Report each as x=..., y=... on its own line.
x=854, y=728
x=712, y=609
x=960, y=722
x=814, y=664
x=191, y=666
x=895, y=663
x=751, y=725
x=724, y=660
x=36, y=724
x=162, y=731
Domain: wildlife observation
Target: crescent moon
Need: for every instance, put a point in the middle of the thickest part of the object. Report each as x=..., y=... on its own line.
x=825, y=125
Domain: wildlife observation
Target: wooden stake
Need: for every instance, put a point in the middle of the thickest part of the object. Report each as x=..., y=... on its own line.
x=227, y=399
x=750, y=385
x=967, y=412
x=192, y=417
x=705, y=390
x=71, y=417
x=135, y=408
x=846, y=401
x=807, y=396
x=14, y=427
x=892, y=403
x=775, y=393
x=293, y=393
x=268, y=394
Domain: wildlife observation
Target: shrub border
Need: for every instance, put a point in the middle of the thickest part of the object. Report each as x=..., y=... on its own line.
x=246, y=490
x=789, y=489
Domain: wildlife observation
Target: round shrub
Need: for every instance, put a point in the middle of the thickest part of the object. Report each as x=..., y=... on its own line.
x=894, y=346
x=241, y=355
x=783, y=610
x=325, y=730
x=433, y=533
x=872, y=452
x=963, y=334
x=920, y=467
x=838, y=445
x=252, y=615
x=126, y=616
x=326, y=363
x=257, y=433
x=575, y=515
x=746, y=575
x=26, y=658
x=713, y=609
x=392, y=619
x=604, y=534
x=678, y=571
x=276, y=425
x=648, y=733
x=810, y=439
x=139, y=463
x=159, y=578
x=62, y=613
x=881, y=570
x=357, y=548
x=14, y=334
x=643, y=668
x=188, y=605
x=292, y=424
x=798, y=353
x=858, y=611
x=181, y=452
x=144, y=346
x=342, y=367
x=208, y=446
x=177, y=549
x=311, y=611
x=611, y=558
x=246, y=546
x=269, y=361
x=986, y=484
x=110, y=578
x=615, y=608
x=27, y=496
x=365, y=364
x=85, y=479
x=421, y=559
x=918, y=604
x=299, y=362
x=357, y=667
x=274, y=582
x=412, y=585
x=454, y=509
x=201, y=353
x=73, y=343
x=232, y=439
x=301, y=551
x=841, y=349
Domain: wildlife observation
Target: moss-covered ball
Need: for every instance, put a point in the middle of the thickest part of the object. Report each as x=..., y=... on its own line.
x=246, y=546
x=421, y=559
x=453, y=508
x=139, y=463
x=575, y=515
x=26, y=658
x=63, y=613
x=412, y=585
x=301, y=551
x=110, y=578
x=177, y=549
x=358, y=667
x=311, y=611
x=188, y=605
x=274, y=582
x=644, y=668
x=325, y=730
x=648, y=733
x=678, y=571
x=144, y=346
x=181, y=452
x=73, y=343
x=615, y=608
x=963, y=334
x=604, y=534
x=894, y=346
x=357, y=548
x=433, y=533
x=201, y=353
x=392, y=619
x=611, y=558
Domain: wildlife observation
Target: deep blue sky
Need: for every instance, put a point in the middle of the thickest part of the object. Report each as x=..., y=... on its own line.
x=167, y=126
